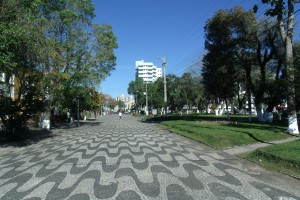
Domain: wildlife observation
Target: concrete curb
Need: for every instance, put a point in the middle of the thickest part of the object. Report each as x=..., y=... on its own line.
x=252, y=147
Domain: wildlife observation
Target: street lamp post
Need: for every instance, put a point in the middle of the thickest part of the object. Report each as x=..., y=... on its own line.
x=164, y=64
x=146, y=98
x=137, y=101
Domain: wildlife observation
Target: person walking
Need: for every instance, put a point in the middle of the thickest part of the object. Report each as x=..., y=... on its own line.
x=120, y=114
x=142, y=114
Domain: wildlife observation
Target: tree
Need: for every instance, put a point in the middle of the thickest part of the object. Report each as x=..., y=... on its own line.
x=121, y=104
x=297, y=75
x=112, y=103
x=137, y=89
x=90, y=99
x=175, y=100
x=84, y=52
x=243, y=28
x=254, y=51
x=188, y=89
x=55, y=53
x=278, y=10
x=155, y=94
x=219, y=73
x=20, y=42
x=199, y=99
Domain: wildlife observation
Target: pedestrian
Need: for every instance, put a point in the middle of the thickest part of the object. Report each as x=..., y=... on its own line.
x=120, y=114
x=142, y=114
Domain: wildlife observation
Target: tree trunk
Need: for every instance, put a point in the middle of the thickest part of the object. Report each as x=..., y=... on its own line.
x=222, y=109
x=249, y=85
x=269, y=117
x=260, y=113
x=249, y=105
x=291, y=98
x=228, y=117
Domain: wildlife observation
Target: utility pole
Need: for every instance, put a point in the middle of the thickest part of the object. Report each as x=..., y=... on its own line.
x=137, y=106
x=164, y=64
x=146, y=97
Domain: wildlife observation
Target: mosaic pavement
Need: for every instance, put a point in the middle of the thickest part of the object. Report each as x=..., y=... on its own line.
x=128, y=159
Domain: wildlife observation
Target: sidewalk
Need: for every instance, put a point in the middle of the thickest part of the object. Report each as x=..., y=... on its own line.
x=252, y=147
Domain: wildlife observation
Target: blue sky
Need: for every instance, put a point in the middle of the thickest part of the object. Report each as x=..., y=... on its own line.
x=147, y=29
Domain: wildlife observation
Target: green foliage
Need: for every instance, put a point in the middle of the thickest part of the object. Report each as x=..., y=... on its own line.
x=112, y=103
x=175, y=96
x=55, y=53
x=219, y=71
x=279, y=10
x=297, y=73
x=121, y=104
x=278, y=7
x=137, y=88
x=20, y=61
x=248, y=56
x=156, y=93
x=180, y=91
x=14, y=113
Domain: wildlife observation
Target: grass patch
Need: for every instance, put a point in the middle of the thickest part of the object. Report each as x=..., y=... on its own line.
x=284, y=158
x=220, y=133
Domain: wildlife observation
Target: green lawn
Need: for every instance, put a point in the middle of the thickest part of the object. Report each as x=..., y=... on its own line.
x=280, y=157
x=220, y=133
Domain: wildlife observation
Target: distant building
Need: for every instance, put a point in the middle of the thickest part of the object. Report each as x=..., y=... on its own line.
x=147, y=71
x=128, y=100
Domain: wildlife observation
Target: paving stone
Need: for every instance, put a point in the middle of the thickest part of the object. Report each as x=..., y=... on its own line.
x=129, y=159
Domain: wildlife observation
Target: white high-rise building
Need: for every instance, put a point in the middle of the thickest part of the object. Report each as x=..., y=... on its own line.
x=147, y=71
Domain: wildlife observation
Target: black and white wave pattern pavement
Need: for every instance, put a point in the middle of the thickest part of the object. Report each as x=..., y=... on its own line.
x=128, y=159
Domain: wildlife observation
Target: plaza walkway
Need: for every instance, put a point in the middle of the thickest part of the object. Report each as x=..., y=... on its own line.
x=128, y=159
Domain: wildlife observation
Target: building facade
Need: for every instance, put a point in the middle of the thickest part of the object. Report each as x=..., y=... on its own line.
x=128, y=100
x=147, y=71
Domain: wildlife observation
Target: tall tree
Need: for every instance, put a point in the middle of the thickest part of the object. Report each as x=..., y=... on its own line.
x=121, y=104
x=137, y=89
x=54, y=52
x=267, y=49
x=188, y=89
x=219, y=72
x=20, y=57
x=156, y=94
x=297, y=77
x=278, y=10
x=175, y=100
x=243, y=29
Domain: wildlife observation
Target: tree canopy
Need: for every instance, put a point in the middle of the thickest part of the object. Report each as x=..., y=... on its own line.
x=51, y=52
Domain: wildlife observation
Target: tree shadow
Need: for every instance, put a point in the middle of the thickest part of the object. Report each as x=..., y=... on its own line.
x=90, y=123
x=244, y=132
x=35, y=135
x=237, y=122
x=32, y=137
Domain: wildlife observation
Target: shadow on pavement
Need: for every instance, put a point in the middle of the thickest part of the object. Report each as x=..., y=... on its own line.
x=32, y=137
x=35, y=135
